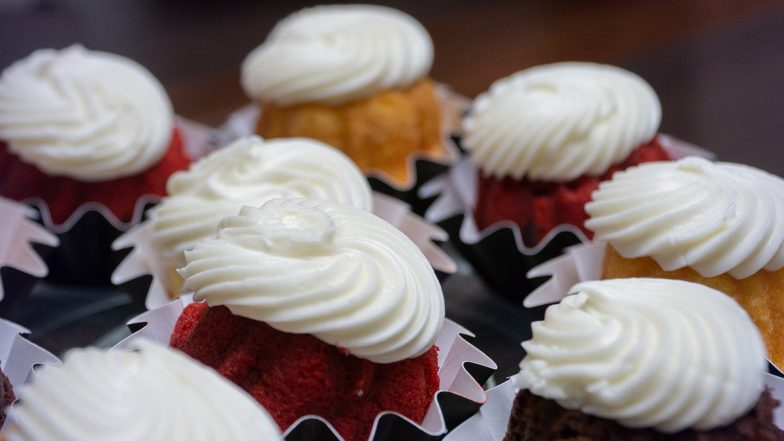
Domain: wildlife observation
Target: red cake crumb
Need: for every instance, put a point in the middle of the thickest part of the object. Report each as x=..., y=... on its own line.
x=7, y=396
x=293, y=375
x=538, y=207
x=20, y=180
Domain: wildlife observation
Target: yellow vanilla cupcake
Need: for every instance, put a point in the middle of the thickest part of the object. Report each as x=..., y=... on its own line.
x=719, y=224
x=354, y=76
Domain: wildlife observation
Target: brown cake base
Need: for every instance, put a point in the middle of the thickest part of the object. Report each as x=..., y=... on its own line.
x=761, y=295
x=377, y=133
x=537, y=419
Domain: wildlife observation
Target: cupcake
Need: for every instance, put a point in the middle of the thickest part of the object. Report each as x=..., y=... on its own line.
x=80, y=126
x=248, y=172
x=150, y=393
x=545, y=137
x=719, y=224
x=643, y=359
x=316, y=308
x=353, y=76
x=7, y=396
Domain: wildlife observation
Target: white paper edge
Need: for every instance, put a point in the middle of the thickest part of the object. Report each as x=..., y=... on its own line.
x=19, y=232
x=454, y=352
x=18, y=356
x=242, y=122
x=198, y=139
x=491, y=422
x=456, y=194
x=144, y=260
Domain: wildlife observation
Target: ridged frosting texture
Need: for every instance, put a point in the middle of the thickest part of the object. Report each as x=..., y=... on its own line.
x=557, y=122
x=251, y=171
x=152, y=393
x=647, y=353
x=88, y=115
x=337, y=53
x=715, y=218
x=315, y=267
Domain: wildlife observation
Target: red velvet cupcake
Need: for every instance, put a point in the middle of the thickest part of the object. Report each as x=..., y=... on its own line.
x=545, y=137
x=316, y=308
x=79, y=126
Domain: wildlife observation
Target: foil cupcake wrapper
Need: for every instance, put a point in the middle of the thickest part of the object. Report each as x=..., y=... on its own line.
x=18, y=356
x=84, y=255
x=20, y=264
x=498, y=252
x=143, y=260
x=462, y=369
x=421, y=167
x=490, y=423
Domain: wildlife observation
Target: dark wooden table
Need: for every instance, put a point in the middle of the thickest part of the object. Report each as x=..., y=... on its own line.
x=717, y=65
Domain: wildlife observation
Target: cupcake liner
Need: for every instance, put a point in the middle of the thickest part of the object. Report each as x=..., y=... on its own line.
x=84, y=255
x=18, y=356
x=143, y=259
x=498, y=252
x=422, y=166
x=462, y=369
x=490, y=423
x=20, y=264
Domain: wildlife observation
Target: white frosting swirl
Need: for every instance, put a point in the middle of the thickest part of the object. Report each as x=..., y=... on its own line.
x=560, y=121
x=88, y=115
x=715, y=218
x=250, y=172
x=153, y=393
x=331, y=270
x=337, y=53
x=657, y=353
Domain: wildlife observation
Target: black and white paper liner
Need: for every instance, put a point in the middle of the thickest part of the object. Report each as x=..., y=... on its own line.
x=578, y=264
x=84, y=254
x=19, y=231
x=460, y=393
x=18, y=356
x=490, y=423
x=143, y=260
x=498, y=252
x=421, y=166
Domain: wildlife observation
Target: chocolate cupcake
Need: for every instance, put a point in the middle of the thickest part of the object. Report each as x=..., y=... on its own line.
x=644, y=359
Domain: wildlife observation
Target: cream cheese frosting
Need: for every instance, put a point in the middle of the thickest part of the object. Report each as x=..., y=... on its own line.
x=151, y=393
x=331, y=270
x=557, y=122
x=648, y=353
x=715, y=218
x=250, y=171
x=337, y=53
x=88, y=115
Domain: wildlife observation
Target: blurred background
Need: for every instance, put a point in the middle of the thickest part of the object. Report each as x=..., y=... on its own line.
x=717, y=65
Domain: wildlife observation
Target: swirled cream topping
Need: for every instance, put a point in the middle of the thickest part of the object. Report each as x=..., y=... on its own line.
x=152, y=393
x=88, y=115
x=715, y=218
x=648, y=353
x=337, y=53
x=560, y=121
x=250, y=172
x=330, y=270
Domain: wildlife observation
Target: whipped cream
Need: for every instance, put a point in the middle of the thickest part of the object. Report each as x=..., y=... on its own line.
x=152, y=393
x=250, y=171
x=315, y=267
x=648, y=353
x=337, y=53
x=560, y=121
x=88, y=115
x=714, y=218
